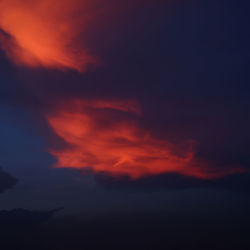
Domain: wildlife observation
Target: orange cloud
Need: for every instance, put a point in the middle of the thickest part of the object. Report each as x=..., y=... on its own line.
x=54, y=33
x=105, y=136
x=44, y=32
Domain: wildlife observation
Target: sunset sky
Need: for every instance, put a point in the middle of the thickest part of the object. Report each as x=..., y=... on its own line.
x=121, y=106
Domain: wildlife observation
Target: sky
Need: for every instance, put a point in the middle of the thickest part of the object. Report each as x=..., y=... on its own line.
x=125, y=107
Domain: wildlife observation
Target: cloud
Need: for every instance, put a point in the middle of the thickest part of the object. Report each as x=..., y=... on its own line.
x=6, y=181
x=106, y=136
x=55, y=35
x=44, y=33
x=239, y=183
x=24, y=219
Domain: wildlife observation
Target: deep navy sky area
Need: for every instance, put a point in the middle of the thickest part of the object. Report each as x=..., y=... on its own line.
x=185, y=62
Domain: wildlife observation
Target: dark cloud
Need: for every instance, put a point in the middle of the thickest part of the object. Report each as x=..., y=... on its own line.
x=20, y=218
x=6, y=181
x=162, y=182
x=169, y=182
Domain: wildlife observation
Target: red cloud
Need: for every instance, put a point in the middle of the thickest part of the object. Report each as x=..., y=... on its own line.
x=105, y=136
x=54, y=34
x=44, y=32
